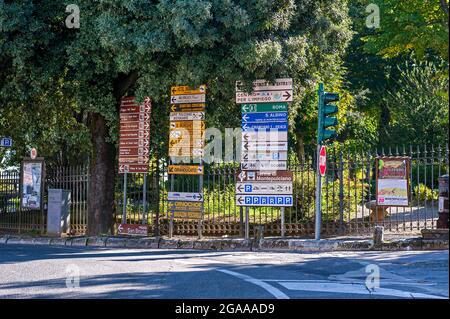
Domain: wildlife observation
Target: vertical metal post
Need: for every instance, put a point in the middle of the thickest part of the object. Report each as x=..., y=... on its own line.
x=171, y=212
x=341, y=193
x=318, y=224
x=124, y=205
x=144, y=201
x=247, y=223
x=241, y=222
x=283, y=228
x=200, y=190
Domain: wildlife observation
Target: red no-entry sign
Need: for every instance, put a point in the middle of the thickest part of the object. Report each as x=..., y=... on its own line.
x=323, y=160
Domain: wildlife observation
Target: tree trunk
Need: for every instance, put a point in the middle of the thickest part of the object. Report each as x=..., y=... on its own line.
x=300, y=146
x=102, y=178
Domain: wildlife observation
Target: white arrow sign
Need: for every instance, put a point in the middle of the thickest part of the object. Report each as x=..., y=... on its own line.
x=264, y=188
x=264, y=85
x=187, y=99
x=185, y=197
x=264, y=146
x=264, y=97
x=262, y=136
x=187, y=116
x=264, y=166
x=264, y=200
x=253, y=156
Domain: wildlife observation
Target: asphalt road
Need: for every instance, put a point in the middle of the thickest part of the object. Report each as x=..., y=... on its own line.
x=69, y=272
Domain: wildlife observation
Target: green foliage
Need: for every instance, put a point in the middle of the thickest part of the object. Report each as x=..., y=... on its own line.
x=423, y=193
x=54, y=78
x=419, y=105
x=410, y=26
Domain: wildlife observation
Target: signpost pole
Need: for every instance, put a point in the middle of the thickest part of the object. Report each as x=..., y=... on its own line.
x=124, y=206
x=144, y=200
x=247, y=223
x=283, y=227
x=200, y=221
x=318, y=223
x=171, y=212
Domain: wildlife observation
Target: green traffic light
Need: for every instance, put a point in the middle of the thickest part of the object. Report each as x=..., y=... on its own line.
x=330, y=121
x=330, y=97
x=330, y=109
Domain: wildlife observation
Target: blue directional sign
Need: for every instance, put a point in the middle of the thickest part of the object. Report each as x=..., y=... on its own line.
x=264, y=200
x=264, y=117
x=280, y=126
x=5, y=142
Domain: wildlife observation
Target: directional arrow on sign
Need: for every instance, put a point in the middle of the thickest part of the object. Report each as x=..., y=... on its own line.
x=286, y=95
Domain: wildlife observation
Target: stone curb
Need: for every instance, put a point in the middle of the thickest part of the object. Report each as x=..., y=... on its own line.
x=294, y=245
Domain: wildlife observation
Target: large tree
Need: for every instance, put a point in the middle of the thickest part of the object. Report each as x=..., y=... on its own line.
x=142, y=47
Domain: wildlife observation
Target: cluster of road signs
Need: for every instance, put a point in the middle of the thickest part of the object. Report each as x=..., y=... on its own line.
x=187, y=126
x=134, y=141
x=264, y=179
x=6, y=142
x=186, y=140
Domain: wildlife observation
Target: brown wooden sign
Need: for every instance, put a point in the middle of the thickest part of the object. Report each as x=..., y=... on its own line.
x=134, y=141
x=132, y=229
x=264, y=176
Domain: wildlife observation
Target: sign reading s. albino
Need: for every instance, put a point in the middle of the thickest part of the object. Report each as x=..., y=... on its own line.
x=393, y=181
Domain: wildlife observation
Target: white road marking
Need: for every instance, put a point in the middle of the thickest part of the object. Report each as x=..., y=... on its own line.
x=269, y=288
x=353, y=289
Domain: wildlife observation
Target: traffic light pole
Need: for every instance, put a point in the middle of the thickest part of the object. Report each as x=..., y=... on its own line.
x=318, y=223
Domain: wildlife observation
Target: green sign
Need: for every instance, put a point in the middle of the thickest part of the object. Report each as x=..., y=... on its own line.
x=265, y=107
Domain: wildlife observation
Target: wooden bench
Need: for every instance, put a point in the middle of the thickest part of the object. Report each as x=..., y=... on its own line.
x=377, y=213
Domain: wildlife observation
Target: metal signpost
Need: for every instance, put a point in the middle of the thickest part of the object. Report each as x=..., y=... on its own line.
x=186, y=142
x=264, y=179
x=134, y=148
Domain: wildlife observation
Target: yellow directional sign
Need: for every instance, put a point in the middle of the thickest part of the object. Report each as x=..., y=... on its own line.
x=183, y=90
x=187, y=215
x=185, y=206
x=194, y=107
x=189, y=125
x=186, y=169
x=187, y=142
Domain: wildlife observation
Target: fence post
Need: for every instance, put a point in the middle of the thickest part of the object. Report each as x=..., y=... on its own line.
x=241, y=222
x=341, y=193
x=124, y=206
x=144, y=201
x=247, y=223
x=283, y=227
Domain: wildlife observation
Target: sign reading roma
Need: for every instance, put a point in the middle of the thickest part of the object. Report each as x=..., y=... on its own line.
x=393, y=185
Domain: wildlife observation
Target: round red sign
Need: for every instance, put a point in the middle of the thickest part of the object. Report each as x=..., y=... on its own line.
x=33, y=153
x=323, y=160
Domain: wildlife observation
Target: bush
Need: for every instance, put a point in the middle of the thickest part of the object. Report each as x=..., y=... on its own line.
x=423, y=193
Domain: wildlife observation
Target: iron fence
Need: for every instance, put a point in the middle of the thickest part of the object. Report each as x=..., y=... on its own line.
x=348, y=196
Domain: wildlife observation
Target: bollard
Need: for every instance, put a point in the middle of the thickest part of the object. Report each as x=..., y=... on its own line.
x=259, y=234
x=443, y=203
x=378, y=236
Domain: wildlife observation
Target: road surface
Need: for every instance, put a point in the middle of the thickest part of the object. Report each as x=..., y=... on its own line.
x=28, y=271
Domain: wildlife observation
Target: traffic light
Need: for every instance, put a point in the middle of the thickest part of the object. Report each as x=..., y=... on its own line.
x=325, y=112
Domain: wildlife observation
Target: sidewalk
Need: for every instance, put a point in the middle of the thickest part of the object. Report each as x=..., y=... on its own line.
x=266, y=244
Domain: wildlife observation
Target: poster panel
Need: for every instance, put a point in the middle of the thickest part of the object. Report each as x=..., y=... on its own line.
x=31, y=184
x=393, y=181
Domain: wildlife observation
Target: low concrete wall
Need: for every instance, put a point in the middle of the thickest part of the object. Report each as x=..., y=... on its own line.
x=266, y=244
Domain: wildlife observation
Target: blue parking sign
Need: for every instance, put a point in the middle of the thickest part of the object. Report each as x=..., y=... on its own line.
x=248, y=188
x=256, y=199
x=280, y=200
x=263, y=200
x=248, y=200
x=288, y=200
x=6, y=142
